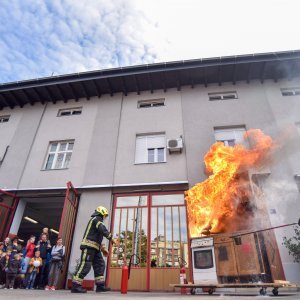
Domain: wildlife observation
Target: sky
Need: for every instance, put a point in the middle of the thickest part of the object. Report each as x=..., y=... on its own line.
x=41, y=38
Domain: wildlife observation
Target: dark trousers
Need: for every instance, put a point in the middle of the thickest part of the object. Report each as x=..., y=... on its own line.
x=55, y=269
x=43, y=274
x=2, y=276
x=10, y=280
x=90, y=257
x=31, y=280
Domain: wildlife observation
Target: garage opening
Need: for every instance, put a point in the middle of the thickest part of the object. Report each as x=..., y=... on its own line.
x=55, y=211
x=41, y=212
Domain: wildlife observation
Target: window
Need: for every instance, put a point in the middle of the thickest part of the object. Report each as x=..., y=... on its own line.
x=4, y=119
x=230, y=136
x=290, y=91
x=59, y=155
x=166, y=238
x=69, y=111
x=150, y=149
x=151, y=103
x=203, y=259
x=222, y=96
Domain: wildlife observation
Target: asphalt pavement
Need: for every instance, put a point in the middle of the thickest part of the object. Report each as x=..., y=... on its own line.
x=64, y=294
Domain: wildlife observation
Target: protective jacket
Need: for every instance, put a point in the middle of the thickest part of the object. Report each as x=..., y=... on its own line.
x=94, y=233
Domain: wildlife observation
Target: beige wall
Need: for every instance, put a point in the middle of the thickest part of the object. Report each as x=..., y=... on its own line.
x=135, y=121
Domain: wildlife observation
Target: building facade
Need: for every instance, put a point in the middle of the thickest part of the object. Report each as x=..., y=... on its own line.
x=71, y=143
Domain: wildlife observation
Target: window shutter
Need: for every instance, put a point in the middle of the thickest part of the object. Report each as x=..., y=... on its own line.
x=143, y=143
x=236, y=134
x=156, y=141
x=141, y=150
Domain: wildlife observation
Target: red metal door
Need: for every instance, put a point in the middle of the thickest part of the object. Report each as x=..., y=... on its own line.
x=8, y=205
x=67, y=225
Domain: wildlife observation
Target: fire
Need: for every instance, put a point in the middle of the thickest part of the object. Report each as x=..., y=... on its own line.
x=215, y=203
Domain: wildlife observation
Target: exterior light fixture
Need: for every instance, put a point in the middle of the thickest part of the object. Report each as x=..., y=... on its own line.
x=30, y=220
x=54, y=231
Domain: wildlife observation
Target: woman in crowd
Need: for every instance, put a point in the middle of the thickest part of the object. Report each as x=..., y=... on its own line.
x=30, y=247
x=57, y=253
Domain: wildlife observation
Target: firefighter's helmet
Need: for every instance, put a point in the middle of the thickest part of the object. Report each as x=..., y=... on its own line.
x=102, y=211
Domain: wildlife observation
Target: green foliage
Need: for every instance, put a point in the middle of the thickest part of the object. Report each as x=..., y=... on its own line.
x=293, y=244
x=126, y=242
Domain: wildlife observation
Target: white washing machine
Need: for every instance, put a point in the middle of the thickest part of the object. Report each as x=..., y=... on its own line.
x=204, y=262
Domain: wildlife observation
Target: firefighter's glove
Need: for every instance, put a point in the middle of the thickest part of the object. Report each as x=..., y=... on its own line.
x=104, y=251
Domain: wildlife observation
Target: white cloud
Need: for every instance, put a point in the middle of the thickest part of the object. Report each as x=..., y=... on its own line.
x=70, y=36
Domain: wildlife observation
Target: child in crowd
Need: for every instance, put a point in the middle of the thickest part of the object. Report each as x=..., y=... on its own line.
x=34, y=267
x=16, y=248
x=13, y=267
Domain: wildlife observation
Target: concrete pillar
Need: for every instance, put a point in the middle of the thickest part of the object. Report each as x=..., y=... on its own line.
x=14, y=228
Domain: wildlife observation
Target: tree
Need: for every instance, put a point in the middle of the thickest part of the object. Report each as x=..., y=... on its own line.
x=293, y=245
x=126, y=242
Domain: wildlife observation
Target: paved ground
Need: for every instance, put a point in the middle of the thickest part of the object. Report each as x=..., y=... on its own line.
x=55, y=295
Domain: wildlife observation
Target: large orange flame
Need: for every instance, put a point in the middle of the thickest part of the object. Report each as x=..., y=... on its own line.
x=214, y=203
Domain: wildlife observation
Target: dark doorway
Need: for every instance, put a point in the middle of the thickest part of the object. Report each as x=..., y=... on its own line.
x=41, y=212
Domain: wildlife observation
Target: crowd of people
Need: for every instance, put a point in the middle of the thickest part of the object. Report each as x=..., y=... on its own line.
x=32, y=266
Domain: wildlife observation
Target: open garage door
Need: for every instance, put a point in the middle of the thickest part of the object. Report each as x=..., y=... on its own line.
x=67, y=225
x=8, y=204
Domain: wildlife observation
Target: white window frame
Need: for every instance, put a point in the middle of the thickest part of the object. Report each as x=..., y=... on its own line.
x=70, y=110
x=4, y=119
x=56, y=153
x=148, y=147
x=156, y=155
x=222, y=96
x=151, y=103
x=286, y=92
x=235, y=136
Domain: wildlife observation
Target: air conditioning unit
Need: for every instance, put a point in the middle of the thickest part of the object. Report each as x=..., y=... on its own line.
x=175, y=145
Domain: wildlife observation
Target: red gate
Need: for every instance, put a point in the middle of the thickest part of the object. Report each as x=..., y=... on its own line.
x=8, y=205
x=67, y=225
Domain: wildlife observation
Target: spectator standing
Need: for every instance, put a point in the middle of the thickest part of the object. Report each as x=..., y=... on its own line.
x=30, y=247
x=34, y=268
x=44, y=246
x=3, y=265
x=46, y=231
x=6, y=244
x=57, y=253
x=14, y=266
x=16, y=248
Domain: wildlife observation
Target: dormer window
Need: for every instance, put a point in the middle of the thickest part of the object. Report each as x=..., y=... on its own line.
x=222, y=96
x=290, y=91
x=151, y=103
x=69, y=111
x=4, y=119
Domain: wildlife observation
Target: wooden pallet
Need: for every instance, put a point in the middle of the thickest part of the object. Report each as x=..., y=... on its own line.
x=211, y=288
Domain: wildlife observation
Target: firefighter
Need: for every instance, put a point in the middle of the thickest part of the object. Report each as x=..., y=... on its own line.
x=91, y=249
